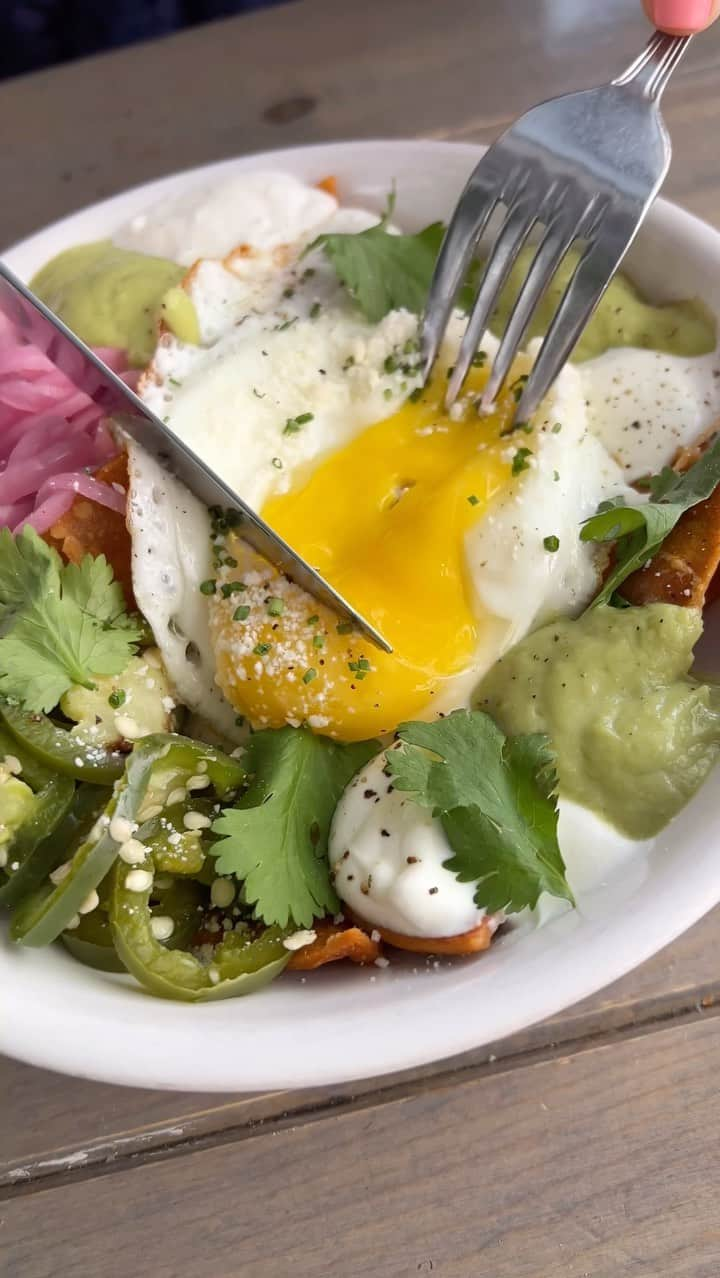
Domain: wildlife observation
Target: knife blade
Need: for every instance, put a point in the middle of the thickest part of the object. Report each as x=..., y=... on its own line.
x=32, y=318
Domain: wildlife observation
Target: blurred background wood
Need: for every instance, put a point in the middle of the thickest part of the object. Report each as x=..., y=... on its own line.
x=585, y=1146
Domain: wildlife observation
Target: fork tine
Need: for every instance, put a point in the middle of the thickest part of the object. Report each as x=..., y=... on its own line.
x=556, y=240
x=520, y=219
x=466, y=226
x=584, y=290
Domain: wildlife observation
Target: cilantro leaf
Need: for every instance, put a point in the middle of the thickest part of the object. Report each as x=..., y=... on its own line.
x=495, y=797
x=28, y=567
x=385, y=272
x=276, y=838
x=61, y=624
x=93, y=588
x=640, y=530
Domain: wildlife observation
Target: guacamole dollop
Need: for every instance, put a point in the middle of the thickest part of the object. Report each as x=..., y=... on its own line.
x=109, y=296
x=623, y=317
x=635, y=734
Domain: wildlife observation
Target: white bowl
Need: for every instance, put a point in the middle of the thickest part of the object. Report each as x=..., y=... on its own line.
x=345, y=1023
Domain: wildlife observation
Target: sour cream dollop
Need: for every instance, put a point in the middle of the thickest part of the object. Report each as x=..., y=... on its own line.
x=387, y=854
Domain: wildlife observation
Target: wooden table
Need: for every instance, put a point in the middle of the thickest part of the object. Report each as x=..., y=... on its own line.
x=585, y=1147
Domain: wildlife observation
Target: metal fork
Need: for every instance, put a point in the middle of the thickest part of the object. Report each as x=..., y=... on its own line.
x=583, y=167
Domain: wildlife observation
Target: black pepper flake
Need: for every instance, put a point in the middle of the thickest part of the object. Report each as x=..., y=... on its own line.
x=433, y=891
x=385, y=834
x=369, y=794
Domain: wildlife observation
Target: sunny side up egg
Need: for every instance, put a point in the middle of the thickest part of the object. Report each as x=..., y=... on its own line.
x=435, y=525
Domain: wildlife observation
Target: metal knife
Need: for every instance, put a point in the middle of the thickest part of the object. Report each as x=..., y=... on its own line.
x=30, y=316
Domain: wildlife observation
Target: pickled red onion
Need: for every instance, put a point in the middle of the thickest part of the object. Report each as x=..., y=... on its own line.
x=52, y=434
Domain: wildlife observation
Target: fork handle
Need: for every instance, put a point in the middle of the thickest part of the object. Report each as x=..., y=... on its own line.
x=651, y=71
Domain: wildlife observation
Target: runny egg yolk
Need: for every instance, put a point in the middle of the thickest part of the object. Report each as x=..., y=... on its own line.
x=384, y=519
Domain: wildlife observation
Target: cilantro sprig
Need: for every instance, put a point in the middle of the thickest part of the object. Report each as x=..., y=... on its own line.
x=639, y=531
x=383, y=271
x=60, y=624
x=276, y=838
x=495, y=797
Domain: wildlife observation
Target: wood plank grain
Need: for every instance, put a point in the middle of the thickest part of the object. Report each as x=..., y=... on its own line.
x=511, y=1174
x=92, y=1125
x=306, y=72
x=692, y=111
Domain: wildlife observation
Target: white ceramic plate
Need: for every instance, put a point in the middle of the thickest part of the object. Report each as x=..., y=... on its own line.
x=346, y=1023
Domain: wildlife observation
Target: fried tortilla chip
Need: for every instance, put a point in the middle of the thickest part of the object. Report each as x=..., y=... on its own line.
x=472, y=942
x=328, y=184
x=685, y=569
x=333, y=943
x=90, y=529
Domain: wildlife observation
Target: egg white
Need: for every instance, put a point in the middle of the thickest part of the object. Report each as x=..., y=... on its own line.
x=515, y=578
x=262, y=208
x=646, y=405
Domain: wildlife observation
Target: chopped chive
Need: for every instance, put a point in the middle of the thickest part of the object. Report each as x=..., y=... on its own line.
x=174, y=381
x=315, y=310
x=208, y=587
x=261, y=649
x=520, y=460
x=275, y=606
x=344, y=627
x=256, y=393
x=474, y=501
x=277, y=463
x=308, y=273
x=387, y=393
x=309, y=675
x=390, y=364
x=117, y=698
x=312, y=621
x=556, y=475
x=557, y=428
x=289, y=291
x=518, y=386
x=293, y=424
x=551, y=543
x=415, y=395
x=478, y=359
x=348, y=363
x=230, y=562
x=280, y=328
x=242, y=613
x=318, y=641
